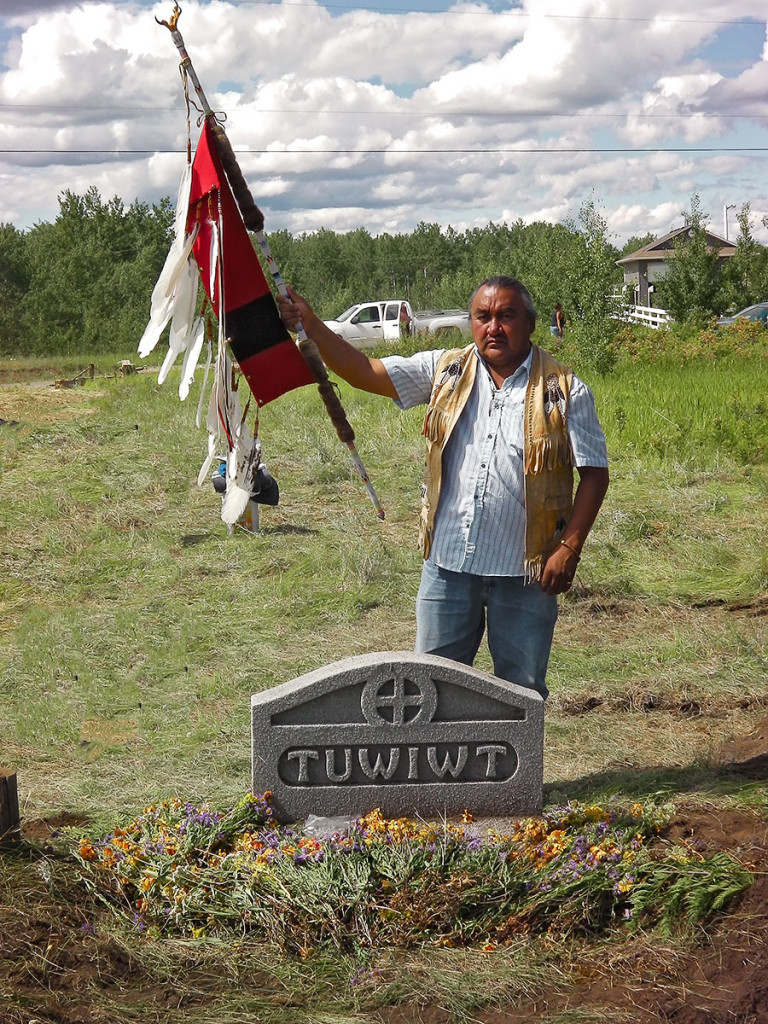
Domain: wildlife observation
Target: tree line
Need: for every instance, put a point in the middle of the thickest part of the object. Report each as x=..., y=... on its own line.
x=83, y=283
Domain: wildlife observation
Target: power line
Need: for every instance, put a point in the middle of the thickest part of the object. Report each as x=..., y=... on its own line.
x=406, y=113
x=753, y=23
x=748, y=20
x=396, y=152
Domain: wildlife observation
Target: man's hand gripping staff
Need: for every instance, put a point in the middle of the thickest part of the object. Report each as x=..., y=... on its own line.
x=254, y=221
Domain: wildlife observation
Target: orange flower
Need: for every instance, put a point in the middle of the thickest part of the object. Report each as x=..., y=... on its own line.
x=87, y=850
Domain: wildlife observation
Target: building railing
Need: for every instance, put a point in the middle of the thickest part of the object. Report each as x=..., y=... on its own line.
x=648, y=315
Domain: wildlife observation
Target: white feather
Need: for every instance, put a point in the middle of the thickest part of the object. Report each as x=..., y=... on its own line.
x=234, y=503
x=242, y=463
x=191, y=357
x=164, y=292
x=205, y=469
x=214, y=259
x=161, y=306
x=182, y=201
x=181, y=336
x=224, y=407
x=199, y=414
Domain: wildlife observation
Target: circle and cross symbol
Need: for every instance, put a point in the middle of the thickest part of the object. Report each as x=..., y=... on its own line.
x=398, y=701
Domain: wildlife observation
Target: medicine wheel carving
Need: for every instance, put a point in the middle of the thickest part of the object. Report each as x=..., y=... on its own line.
x=398, y=701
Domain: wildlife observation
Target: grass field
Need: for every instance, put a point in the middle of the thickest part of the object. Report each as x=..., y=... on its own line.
x=134, y=631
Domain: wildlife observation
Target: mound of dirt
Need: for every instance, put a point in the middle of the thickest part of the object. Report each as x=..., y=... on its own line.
x=53, y=959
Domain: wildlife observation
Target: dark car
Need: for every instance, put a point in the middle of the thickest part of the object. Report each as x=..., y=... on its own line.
x=757, y=312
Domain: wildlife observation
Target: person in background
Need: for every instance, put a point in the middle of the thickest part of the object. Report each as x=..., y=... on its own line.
x=405, y=322
x=557, y=327
x=501, y=531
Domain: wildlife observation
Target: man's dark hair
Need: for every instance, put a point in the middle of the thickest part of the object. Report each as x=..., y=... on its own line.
x=509, y=283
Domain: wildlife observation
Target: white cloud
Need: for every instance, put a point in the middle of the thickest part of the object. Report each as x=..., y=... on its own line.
x=511, y=89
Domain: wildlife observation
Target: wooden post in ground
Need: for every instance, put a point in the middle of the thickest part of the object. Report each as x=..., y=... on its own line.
x=10, y=822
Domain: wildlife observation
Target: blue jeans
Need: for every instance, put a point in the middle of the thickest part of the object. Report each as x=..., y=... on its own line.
x=451, y=611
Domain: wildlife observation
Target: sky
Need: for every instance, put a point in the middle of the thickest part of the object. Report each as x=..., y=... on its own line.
x=384, y=115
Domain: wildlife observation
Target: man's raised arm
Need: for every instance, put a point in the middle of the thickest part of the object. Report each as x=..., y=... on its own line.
x=352, y=365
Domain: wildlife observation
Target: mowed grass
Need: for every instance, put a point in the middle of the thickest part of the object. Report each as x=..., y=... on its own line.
x=135, y=629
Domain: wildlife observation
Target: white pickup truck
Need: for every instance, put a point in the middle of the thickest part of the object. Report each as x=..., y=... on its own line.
x=367, y=324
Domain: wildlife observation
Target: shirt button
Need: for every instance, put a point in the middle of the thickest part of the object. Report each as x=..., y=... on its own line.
x=482, y=465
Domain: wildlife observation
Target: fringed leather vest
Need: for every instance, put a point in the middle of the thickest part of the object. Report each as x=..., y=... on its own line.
x=546, y=450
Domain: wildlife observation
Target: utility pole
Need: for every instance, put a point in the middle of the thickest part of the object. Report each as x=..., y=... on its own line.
x=725, y=218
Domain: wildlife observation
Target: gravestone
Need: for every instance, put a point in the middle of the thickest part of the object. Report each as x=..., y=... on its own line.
x=412, y=734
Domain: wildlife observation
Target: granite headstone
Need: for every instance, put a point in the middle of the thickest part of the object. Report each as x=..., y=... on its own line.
x=412, y=734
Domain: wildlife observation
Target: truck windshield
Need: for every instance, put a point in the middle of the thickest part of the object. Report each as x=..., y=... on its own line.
x=347, y=313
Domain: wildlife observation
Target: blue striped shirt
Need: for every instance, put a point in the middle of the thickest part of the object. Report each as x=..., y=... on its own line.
x=480, y=519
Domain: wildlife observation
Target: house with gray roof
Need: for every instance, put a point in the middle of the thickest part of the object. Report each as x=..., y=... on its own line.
x=650, y=263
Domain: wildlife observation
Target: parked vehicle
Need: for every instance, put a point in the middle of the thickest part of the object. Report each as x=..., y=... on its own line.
x=367, y=324
x=447, y=325
x=757, y=312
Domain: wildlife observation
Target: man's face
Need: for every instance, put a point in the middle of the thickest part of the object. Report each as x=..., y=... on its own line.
x=501, y=328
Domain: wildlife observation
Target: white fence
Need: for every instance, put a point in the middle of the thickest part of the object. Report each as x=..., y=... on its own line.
x=646, y=315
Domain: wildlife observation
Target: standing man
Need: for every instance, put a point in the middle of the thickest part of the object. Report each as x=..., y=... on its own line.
x=501, y=531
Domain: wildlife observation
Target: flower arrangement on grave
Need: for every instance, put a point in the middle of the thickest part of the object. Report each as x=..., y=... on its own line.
x=181, y=869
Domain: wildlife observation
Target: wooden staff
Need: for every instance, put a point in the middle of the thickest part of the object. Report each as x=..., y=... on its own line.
x=254, y=221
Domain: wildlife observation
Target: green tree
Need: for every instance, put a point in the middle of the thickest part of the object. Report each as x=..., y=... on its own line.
x=91, y=273
x=14, y=282
x=543, y=259
x=591, y=276
x=745, y=278
x=692, y=288
x=636, y=242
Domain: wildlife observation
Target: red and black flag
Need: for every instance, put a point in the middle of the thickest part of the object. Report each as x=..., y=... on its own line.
x=235, y=282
